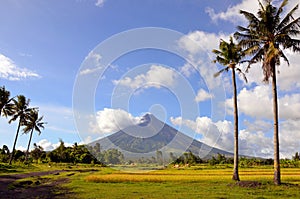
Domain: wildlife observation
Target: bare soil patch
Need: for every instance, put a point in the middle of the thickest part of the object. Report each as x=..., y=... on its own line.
x=42, y=188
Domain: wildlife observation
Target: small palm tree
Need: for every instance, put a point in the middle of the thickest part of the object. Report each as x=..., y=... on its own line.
x=229, y=55
x=32, y=123
x=6, y=107
x=21, y=110
x=264, y=39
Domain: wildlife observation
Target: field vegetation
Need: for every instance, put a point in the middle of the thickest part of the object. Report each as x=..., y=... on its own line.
x=202, y=180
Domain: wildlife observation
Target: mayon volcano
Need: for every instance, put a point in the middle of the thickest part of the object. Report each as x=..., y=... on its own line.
x=149, y=135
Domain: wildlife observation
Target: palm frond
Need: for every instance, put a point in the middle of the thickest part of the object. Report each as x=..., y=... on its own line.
x=221, y=71
x=287, y=18
x=240, y=72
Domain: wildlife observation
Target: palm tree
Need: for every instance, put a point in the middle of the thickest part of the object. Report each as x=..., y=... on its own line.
x=32, y=123
x=21, y=110
x=6, y=108
x=264, y=39
x=229, y=55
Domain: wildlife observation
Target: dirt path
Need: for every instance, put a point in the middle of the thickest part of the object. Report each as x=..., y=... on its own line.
x=42, y=188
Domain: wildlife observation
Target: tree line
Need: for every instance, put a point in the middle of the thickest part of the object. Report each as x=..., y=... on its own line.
x=263, y=40
x=17, y=109
x=83, y=154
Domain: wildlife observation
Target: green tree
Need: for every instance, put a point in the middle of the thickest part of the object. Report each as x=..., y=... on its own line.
x=20, y=110
x=38, y=152
x=264, y=39
x=32, y=123
x=6, y=107
x=4, y=154
x=229, y=55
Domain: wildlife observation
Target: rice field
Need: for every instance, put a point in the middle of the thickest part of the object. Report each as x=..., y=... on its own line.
x=193, y=182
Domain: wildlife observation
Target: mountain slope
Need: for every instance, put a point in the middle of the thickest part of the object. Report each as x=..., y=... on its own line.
x=151, y=135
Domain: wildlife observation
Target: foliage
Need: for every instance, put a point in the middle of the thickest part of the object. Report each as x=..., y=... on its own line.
x=75, y=154
x=188, y=158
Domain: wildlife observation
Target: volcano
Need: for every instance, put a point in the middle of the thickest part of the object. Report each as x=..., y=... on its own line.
x=149, y=135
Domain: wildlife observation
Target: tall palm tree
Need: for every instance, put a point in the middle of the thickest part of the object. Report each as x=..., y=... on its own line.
x=21, y=110
x=229, y=55
x=32, y=123
x=264, y=39
x=6, y=107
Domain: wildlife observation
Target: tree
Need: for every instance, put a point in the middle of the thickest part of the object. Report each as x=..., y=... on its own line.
x=21, y=110
x=38, y=152
x=6, y=108
x=229, y=55
x=32, y=123
x=264, y=40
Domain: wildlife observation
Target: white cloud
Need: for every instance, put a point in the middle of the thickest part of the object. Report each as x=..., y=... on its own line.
x=112, y=120
x=258, y=103
x=258, y=125
x=216, y=134
x=287, y=78
x=200, y=41
x=21, y=148
x=253, y=141
x=93, y=63
x=187, y=69
x=49, y=146
x=255, y=102
x=100, y=3
x=157, y=77
x=255, y=144
x=232, y=13
x=10, y=71
x=258, y=143
x=203, y=95
x=199, y=46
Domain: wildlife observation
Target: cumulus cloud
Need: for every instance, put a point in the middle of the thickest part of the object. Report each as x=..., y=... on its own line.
x=157, y=76
x=232, y=13
x=200, y=41
x=257, y=103
x=203, y=95
x=199, y=45
x=254, y=140
x=49, y=146
x=10, y=71
x=112, y=120
x=216, y=134
x=287, y=76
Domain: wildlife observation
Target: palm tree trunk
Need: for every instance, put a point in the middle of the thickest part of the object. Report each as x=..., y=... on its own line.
x=236, y=138
x=277, y=180
x=27, y=151
x=15, y=142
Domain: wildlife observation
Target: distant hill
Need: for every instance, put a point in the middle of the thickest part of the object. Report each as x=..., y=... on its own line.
x=151, y=135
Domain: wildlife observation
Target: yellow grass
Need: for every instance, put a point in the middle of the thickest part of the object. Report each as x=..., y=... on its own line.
x=173, y=175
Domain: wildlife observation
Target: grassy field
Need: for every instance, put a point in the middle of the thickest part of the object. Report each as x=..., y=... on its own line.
x=192, y=182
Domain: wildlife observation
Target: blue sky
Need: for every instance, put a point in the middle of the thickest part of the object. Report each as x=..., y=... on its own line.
x=46, y=46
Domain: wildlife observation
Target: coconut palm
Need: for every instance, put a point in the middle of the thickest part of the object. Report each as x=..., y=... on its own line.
x=229, y=55
x=6, y=108
x=21, y=110
x=264, y=39
x=32, y=123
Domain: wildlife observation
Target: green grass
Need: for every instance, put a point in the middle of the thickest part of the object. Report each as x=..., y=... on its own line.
x=184, y=183
x=193, y=182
